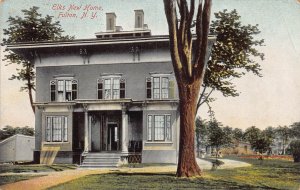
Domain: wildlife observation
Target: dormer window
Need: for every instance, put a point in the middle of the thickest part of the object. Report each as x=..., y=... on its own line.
x=63, y=90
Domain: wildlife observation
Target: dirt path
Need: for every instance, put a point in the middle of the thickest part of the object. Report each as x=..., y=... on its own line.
x=56, y=178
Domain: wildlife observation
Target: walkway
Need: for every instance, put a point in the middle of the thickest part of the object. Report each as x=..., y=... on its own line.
x=56, y=178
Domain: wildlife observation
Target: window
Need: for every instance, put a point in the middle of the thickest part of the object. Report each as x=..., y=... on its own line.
x=66, y=90
x=56, y=129
x=159, y=87
x=159, y=128
x=111, y=88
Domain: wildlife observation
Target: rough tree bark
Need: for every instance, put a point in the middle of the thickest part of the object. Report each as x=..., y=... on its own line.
x=189, y=68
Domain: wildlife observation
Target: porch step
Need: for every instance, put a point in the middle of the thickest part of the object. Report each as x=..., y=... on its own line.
x=101, y=160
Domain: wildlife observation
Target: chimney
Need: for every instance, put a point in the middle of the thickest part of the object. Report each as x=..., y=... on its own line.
x=139, y=19
x=111, y=22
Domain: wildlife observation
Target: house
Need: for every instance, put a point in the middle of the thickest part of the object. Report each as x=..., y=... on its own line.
x=106, y=98
x=17, y=148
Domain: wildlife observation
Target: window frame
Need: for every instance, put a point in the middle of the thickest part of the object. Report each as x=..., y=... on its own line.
x=152, y=88
x=112, y=85
x=52, y=120
x=167, y=136
x=72, y=83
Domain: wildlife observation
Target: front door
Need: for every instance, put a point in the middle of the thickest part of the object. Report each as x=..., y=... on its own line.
x=113, y=137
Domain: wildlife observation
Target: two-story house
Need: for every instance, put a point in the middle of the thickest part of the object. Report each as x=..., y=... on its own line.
x=112, y=95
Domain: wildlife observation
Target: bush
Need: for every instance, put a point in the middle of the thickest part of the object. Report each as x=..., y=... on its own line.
x=295, y=148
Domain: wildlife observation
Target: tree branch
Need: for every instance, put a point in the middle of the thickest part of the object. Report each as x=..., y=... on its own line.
x=200, y=60
x=170, y=11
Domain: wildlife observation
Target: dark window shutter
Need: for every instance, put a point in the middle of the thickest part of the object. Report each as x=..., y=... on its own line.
x=53, y=90
x=100, y=89
x=74, y=89
x=122, y=88
x=148, y=87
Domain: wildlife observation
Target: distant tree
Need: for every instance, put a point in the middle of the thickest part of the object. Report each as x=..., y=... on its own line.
x=295, y=130
x=233, y=55
x=31, y=28
x=237, y=134
x=9, y=131
x=284, y=133
x=201, y=134
x=295, y=148
x=252, y=134
x=260, y=141
x=218, y=136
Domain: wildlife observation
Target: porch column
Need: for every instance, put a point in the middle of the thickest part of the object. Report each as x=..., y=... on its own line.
x=124, y=131
x=86, y=129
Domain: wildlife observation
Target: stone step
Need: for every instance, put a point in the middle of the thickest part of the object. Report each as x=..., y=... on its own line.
x=98, y=166
x=101, y=160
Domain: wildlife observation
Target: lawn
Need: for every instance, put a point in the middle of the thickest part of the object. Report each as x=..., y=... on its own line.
x=268, y=174
x=35, y=170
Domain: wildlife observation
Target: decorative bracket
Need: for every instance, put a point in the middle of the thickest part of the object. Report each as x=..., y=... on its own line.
x=84, y=53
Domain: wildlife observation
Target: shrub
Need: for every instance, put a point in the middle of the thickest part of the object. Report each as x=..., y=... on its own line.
x=295, y=148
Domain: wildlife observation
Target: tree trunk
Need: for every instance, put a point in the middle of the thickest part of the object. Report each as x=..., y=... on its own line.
x=31, y=99
x=187, y=165
x=29, y=87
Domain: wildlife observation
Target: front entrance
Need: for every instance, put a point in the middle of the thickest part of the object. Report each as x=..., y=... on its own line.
x=113, y=139
x=105, y=131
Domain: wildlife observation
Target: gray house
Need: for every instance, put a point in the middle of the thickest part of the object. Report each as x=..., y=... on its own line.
x=99, y=100
x=17, y=148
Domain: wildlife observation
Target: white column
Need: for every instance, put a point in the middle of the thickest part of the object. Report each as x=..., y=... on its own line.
x=90, y=133
x=124, y=131
x=86, y=130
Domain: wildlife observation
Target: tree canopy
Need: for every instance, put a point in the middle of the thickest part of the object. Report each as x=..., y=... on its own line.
x=31, y=27
x=233, y=55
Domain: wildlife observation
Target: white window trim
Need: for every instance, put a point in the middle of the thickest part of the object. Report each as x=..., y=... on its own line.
x=165, y=129
x=65, y=122
x=111, y=77
x=160, y=76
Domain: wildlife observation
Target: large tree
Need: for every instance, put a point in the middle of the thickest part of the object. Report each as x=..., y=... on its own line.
x=31, y=28
x=189, y=60
x=233, y=55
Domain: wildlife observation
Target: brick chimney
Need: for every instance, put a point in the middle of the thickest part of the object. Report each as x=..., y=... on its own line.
x=111, y=22
x=139, y=19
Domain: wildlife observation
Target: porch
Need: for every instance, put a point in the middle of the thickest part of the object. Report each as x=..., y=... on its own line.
x=108, y=133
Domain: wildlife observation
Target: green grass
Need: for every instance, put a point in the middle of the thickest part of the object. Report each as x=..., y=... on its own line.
x=269, y=174
x=14, y=178
x=6, y=168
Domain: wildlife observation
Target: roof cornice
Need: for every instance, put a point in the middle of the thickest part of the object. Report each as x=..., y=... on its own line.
x=90, y=42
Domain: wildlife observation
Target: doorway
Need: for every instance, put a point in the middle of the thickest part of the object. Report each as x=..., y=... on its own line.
x=113, y=136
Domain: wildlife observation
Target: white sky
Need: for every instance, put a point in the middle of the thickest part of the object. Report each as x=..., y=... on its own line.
x=271, y=100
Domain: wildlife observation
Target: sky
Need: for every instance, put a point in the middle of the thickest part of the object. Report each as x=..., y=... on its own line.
x=271, y=100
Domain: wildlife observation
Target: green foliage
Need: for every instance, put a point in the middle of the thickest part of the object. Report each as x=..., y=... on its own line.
x=9, y=131
x=260, y=141
x=295, y=130
x=233, y=55
x=202, y=132
x=31, y=28
x=295, y=148
x=234, y=52
x=218, y=136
